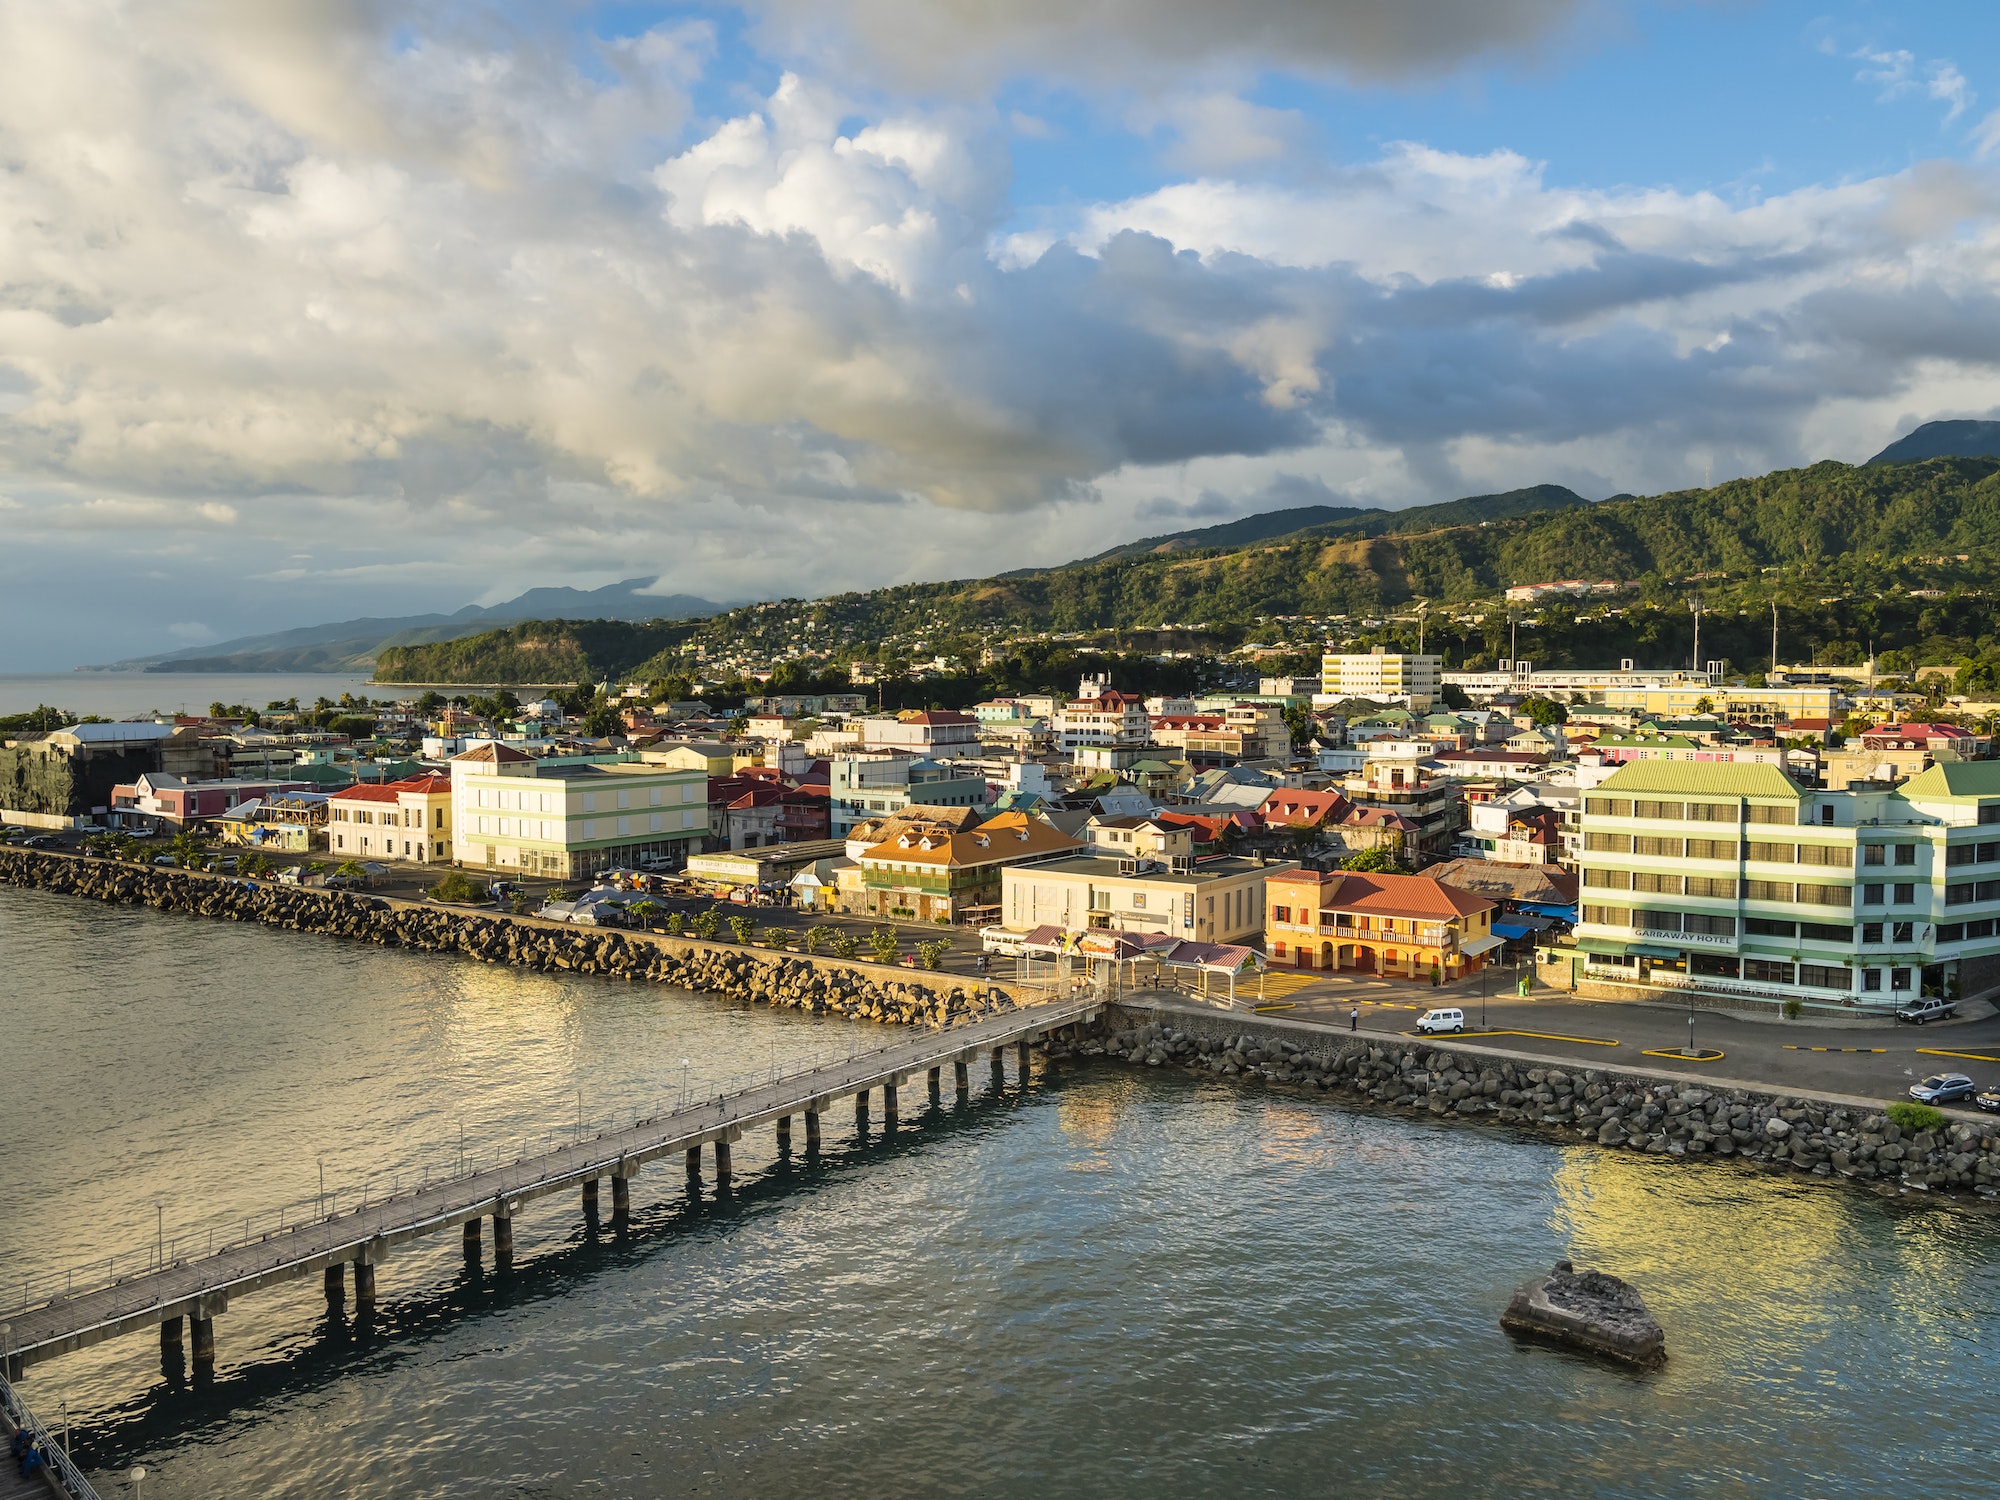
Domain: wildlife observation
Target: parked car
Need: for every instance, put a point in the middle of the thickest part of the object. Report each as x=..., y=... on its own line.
x=1942, y=1088
x=165, y=859
x=1930, y=1008
x=1988, y=1099
x=1433, y=1021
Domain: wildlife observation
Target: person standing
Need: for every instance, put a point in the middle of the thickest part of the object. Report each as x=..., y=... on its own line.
x=1353, y=1018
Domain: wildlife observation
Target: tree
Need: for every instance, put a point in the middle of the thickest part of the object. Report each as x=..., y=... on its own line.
x=882, y=941
x=1299, y=720
x=1455, y=697
x=675, y=922
x=816, y=939
x=845, y=945
x=1704, y=705
x=708, y=924
x=1373, y=861
x=602, y=722
x=189, y=849
x=931, y=954
x=1544, y=711
x=775, y=936
x=430, y=703
x=740, y=928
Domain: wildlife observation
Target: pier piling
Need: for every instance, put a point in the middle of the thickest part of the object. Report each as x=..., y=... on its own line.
x=621, y=1199
x=170, y=1339
x=861, y=1110
x=472, y=1239
x=889, y=1106
x=503, y=1243
x=961, y=1076
x=590, y=1199
x=336, y=1283
x=812, y=1130
x=937, y=1090
x=724, y=1172
x=364, y=1284
x=784, y=1135
x=204, y=1346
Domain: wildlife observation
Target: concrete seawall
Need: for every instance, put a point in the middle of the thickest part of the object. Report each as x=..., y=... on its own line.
x=819, y=984
x=1682, y=1117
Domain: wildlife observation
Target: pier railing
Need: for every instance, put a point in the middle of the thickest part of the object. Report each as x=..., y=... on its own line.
x=390, y=1200
x=68, y=1477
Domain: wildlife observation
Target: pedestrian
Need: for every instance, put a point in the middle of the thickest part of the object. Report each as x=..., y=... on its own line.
x=1353, y=1018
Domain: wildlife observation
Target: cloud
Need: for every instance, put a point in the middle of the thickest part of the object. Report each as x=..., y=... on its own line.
x=973, y=44
x=430, y=300
x=1898, y=75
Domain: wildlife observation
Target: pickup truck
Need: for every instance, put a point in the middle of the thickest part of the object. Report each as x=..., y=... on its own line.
x=1930, y=1008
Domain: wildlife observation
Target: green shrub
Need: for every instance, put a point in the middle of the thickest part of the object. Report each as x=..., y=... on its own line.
x=931, y=955
x=883, y=943
x=675, y=922
x=708, y=924
x=1794, y=1008
x=815, y=939
x=457, y=886
x=845, y=945
x=1912, y=1117
x=775, y=937
x=740, y=928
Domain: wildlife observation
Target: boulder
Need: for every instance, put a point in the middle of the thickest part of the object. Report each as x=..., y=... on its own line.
x=1587, y=1310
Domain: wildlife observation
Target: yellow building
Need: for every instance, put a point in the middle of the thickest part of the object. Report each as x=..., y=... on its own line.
x=406, y=820
x=1219, y=901
x=568, y=816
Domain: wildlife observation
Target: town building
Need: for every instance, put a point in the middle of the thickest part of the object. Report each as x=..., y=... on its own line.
x=568, y=816
x=938, y=874
x=1383, y=674
x=58, y=778
x=1402, y=926
x=158, y=802
x=403, y=820
x=1738, y=882
x=932, y=732
x=1106, y=717
x=861, y=787
x=1218, y=900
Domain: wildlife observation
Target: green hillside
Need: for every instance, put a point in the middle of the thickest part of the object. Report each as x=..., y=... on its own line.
x=1837, y=544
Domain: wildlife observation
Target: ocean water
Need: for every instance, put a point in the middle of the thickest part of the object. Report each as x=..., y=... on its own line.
x=1112, y=1282
x=115, y=695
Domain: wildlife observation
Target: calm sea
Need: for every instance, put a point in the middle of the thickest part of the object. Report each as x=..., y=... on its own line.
x=1119, y=1283
x=116, y=695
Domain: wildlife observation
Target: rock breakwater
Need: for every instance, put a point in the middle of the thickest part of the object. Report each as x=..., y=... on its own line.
x=1615, y=1108
x=747, y=975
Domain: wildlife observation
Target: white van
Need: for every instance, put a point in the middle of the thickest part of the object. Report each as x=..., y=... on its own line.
x=1000, y=940
x=1433, y=1021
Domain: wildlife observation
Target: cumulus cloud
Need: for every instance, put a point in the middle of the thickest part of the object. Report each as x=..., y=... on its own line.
x=395, y=288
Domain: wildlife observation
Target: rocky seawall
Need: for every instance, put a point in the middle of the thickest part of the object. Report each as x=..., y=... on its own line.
x=755, y=976
x=1631, y=1110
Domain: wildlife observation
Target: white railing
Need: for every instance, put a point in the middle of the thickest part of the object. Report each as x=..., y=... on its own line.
x=68, y=1477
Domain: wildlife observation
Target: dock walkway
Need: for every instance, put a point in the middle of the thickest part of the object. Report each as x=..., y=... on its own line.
x=200, y=1287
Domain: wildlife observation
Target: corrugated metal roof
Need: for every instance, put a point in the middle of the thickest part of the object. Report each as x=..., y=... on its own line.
x=1699, y=779
x=1955, y=778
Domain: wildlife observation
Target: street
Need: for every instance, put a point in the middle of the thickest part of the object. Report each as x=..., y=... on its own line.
x=1873, y=1060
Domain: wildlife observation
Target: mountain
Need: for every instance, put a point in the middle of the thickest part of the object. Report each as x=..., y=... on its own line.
x=1943, y=440
x=1831, y=540
x=352, y=645
x=1342, y=520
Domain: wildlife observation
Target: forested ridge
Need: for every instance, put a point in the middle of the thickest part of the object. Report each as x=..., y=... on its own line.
x=1838, y=547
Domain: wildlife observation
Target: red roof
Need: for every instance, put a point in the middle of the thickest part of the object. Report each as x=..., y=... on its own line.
x=1382, y=895
x=1919, y=732
x=1301, y=809
x=390, y=791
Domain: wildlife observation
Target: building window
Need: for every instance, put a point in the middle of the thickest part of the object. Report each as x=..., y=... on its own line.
x=1899, y=979
x=1871, y=895
x=1906, y=854
x=1874, y=854
x=1905, y=895
x=1871, y=979
x=1902, y=932
x=1871, y=932
x=1765, y=971
x=1824, y=976
x=1770, y=927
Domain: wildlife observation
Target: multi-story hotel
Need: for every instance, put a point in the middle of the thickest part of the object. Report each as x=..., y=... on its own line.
x=1732, y=879
x=568, y=816
x=1382, y=674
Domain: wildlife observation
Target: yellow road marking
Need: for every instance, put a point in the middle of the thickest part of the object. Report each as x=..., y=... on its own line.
x=1282, y=1005
x=1698, y=1057
x=1975, y=1056
x=1790, y=1048
x=1545, y=1036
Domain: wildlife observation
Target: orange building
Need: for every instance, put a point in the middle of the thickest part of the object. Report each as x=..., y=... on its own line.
x=1403, y=926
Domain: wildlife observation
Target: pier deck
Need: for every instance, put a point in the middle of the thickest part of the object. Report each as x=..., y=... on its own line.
x=200, y=1287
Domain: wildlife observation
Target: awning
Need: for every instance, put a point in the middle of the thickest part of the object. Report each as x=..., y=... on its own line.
x=1648, y=950
x=1606, y=946
x=1482, y=945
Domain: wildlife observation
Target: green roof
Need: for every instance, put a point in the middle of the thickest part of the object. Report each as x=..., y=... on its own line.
x=1654, y=741
x=1682, y=778
x=1954, y=778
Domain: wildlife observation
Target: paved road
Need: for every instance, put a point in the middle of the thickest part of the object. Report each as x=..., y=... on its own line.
x=1873, y=1060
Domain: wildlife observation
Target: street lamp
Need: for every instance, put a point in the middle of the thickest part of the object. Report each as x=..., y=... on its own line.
x=138, y=1478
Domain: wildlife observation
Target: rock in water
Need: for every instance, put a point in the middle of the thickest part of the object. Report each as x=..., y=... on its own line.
x=1587, y=1310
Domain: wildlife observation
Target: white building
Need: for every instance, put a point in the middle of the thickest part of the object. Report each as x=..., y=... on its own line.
x=563, y=816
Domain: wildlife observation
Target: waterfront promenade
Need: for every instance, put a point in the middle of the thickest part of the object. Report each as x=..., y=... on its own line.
x=55, y=1313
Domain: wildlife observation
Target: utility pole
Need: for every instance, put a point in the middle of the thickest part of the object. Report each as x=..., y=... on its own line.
x=1694, y=603
x=1774, y=637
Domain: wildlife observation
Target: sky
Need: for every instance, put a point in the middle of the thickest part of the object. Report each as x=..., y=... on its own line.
x=312, y=310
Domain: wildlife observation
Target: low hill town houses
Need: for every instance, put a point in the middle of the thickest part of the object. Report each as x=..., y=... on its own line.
x=1747, y=845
